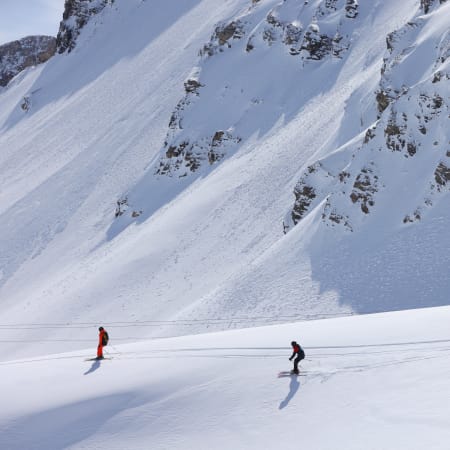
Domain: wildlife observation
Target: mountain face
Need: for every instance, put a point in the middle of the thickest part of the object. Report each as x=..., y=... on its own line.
x=408, y=144
x=76, y=15
x=18, y=55
x=319, y=32
x=204, y=165
x=313, y=32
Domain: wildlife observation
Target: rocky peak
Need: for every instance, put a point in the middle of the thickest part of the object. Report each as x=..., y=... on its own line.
x=18, y=55
x=76, y=16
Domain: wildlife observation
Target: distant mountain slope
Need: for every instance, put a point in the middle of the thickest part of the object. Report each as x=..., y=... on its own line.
x=18, y=55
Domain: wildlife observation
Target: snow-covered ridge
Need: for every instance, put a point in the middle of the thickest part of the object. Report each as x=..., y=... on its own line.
x=407, y=146
x=18, y=55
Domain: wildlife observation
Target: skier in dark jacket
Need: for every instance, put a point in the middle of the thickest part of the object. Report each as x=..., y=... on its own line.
x=102, y=341
x=298, y=353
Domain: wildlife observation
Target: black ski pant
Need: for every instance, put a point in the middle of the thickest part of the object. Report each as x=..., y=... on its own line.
x=296, y=361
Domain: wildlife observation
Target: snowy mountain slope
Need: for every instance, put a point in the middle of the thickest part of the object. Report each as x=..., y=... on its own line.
x=384, y=266
x=99, y=124
x=227, y=101
x=361, y=388
x=205, y=250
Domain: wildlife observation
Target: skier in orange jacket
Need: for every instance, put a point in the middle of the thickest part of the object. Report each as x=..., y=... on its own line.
x=103, y=339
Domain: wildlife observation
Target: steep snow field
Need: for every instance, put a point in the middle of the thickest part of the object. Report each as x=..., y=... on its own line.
x=98, y=116
x=369, y=382
x=208, y=251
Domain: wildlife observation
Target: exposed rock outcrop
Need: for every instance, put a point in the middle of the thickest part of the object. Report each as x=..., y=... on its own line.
x=306, y=37
x=18, y=55
x=223, y=36
x=426, y=5
x=76, y=16
x=364, y=188
x=187, y=156
x=351, y=8
x=305, y=192
x=442, y=174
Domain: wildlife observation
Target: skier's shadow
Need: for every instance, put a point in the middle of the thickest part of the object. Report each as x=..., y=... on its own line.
x=293, y=388
x=94, y=367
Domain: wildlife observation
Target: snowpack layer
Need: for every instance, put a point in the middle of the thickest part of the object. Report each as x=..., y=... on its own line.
x=374, y=381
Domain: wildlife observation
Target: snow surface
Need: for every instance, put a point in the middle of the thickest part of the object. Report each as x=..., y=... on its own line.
x=368, y=382
x=206, y=251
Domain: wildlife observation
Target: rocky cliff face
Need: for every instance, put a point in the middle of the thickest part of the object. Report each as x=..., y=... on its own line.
x=76, y=16
x=406, y=149
x=291, y=32
x=18, y=55
x=426, y=5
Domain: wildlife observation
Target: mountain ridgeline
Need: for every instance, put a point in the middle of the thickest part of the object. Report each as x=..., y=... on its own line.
x=30, y=51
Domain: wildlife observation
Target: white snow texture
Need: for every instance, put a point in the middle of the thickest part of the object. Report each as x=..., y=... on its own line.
x=193, y=171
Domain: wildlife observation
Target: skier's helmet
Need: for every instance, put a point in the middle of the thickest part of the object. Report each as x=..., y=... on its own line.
x=101, y=329
x=293, y=343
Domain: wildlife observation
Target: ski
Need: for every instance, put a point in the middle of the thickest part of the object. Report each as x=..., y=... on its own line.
x=95, y=359
x=290, y=374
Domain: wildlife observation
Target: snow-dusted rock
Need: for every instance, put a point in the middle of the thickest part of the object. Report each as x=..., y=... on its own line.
x=223, y=36
x=426, y=5
x=351, y=8
x=75, y=17
x=312, y=30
